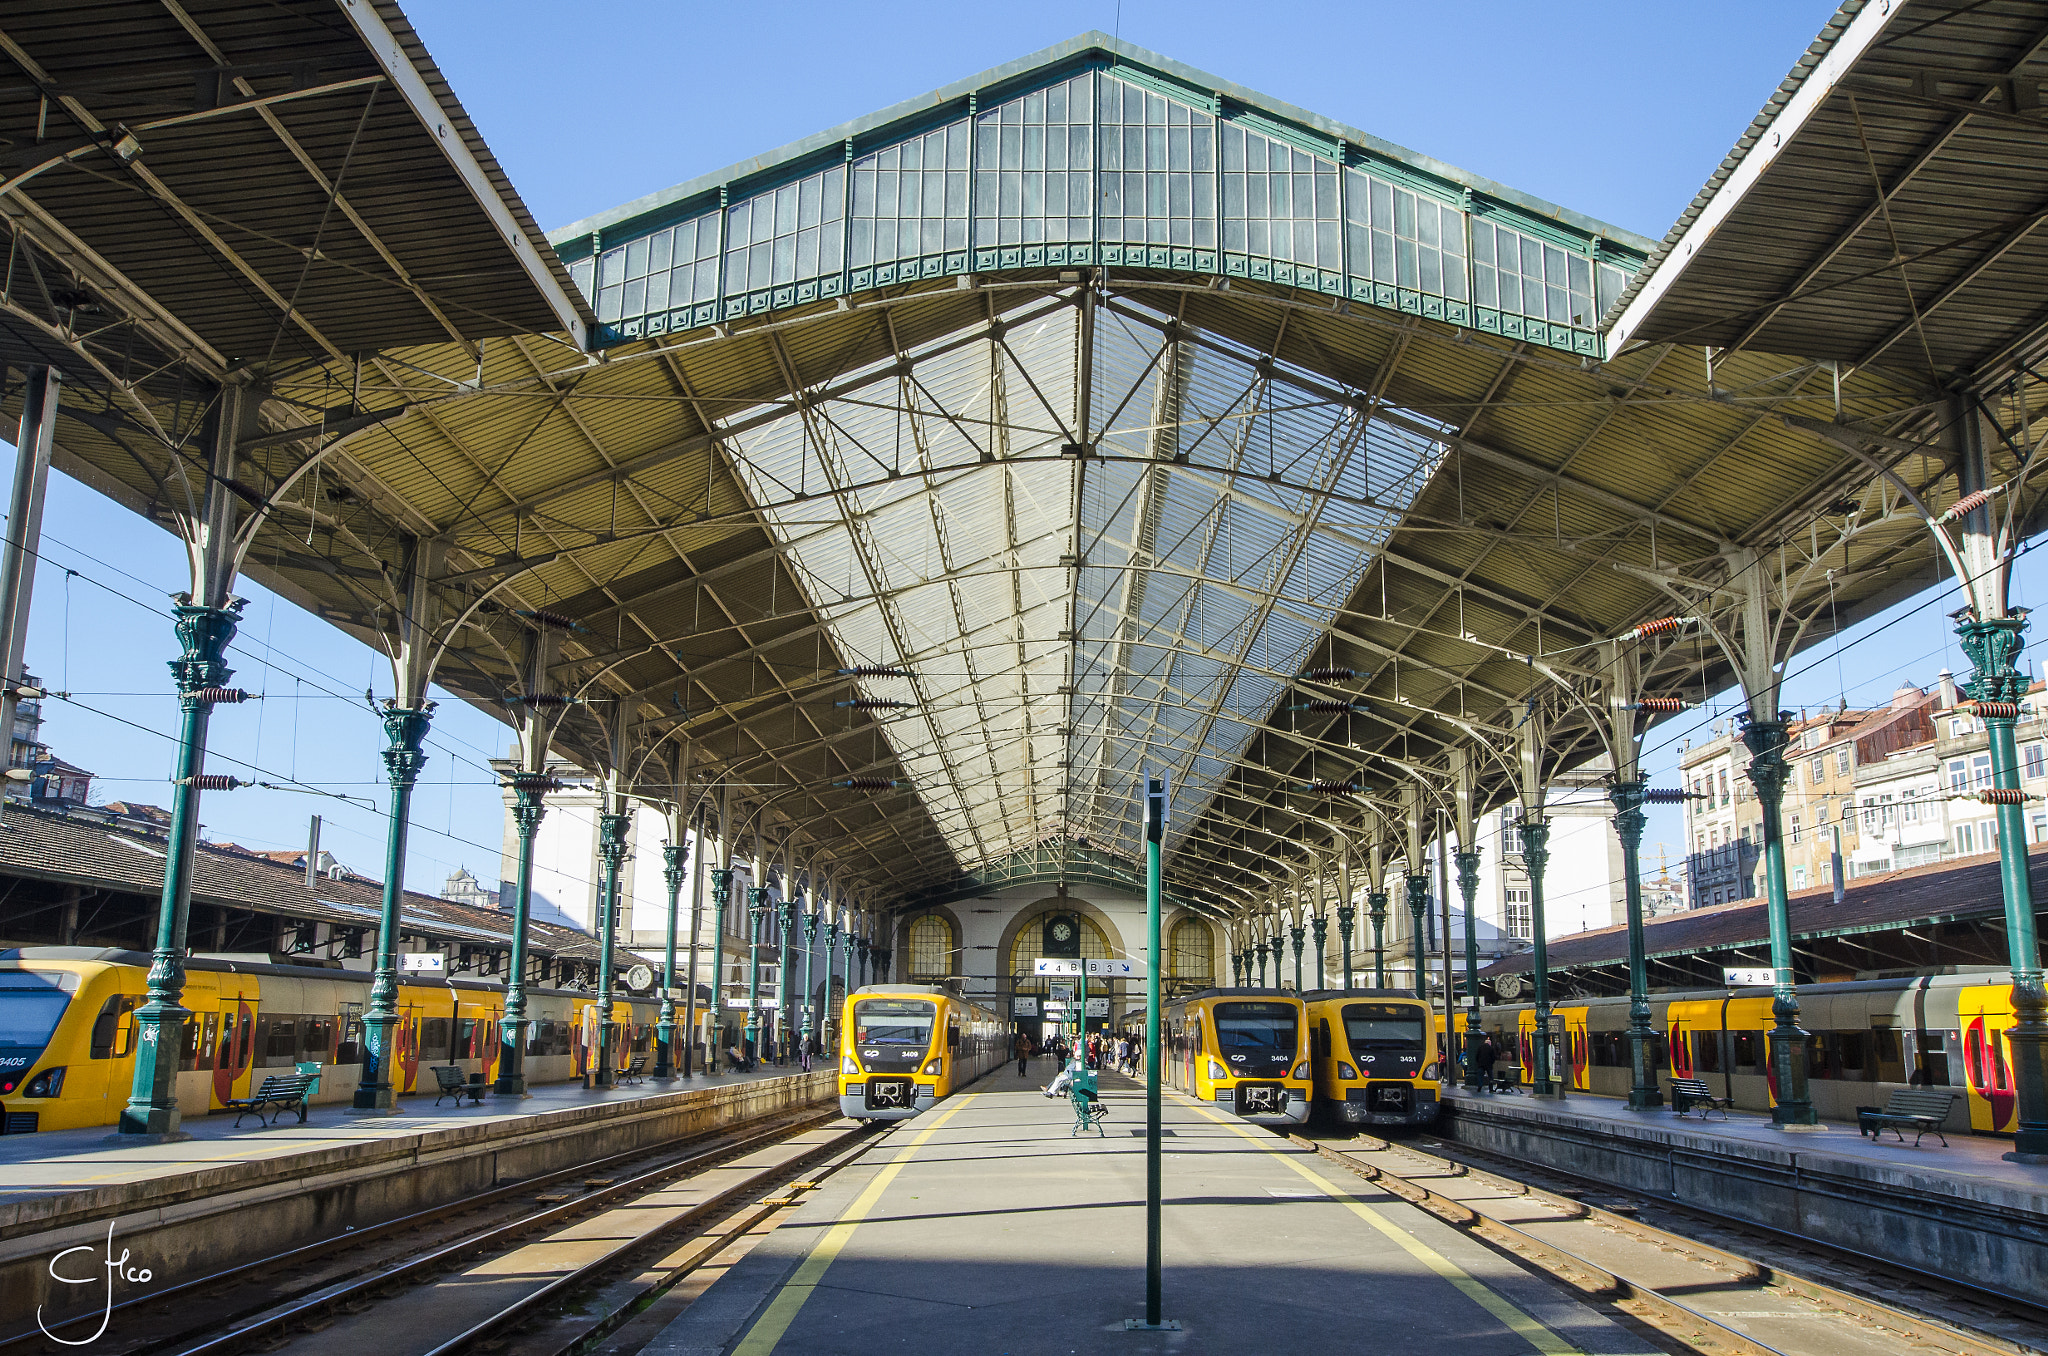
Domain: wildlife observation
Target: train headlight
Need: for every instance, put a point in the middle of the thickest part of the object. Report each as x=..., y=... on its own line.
x=1430, y=1070
x=1301, y=1069
x=1345, y=1070
x=848, y=1065
x=1217, y=1070
x=48, y=1083
x=933, y=1065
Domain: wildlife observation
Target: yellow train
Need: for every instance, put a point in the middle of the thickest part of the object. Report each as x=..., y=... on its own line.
x=1372, y=1057
x=68, y=1031
x=905, y=1047
x=1243, y=1050
x=1869, y=1038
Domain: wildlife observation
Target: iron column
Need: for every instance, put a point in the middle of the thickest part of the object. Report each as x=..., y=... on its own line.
x=1767, y=740
x=1416, y=884
x=757, y=914
x=1297, y=932
x=721, y=897
x=405, y=728
x=1321, y=927
x=783, y=988
x=529, y=805
x=1376, y=911
x=203, y=633
x=1643, y=1093
x=1468, y=890
x=1536, y=856
x=810, y=951
x=696, y=930
x=611, y=850
x=674, y=857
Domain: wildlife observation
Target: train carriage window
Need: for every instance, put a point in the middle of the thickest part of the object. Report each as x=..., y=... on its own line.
x=113, y=1035
x=277, y=1040
x=1933, y=1061
x=465, y=1039
x=1888, y=1056
x=316, y=1039
x=434, y=1038
x=1382, y=1026
x=1706, y=1051
x=1820, y=1051
x=349, y=1022
x=1752, y=1052
x=893, y=1021
x=1852, y=1049
x=29, y=1017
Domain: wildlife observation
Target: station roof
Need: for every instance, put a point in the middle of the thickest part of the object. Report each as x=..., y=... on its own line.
x=1105, y=418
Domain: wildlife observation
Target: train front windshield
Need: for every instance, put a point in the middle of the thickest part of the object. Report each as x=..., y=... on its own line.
x=893, y=1021
x=29, y=1015
x=1382, y=1026
x=1263, y=1032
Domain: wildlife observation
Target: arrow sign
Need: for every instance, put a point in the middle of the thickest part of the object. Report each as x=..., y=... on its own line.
x=1116, y=969
x=1054, y=965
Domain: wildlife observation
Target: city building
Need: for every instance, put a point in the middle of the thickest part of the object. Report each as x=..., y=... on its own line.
x=1582, y=884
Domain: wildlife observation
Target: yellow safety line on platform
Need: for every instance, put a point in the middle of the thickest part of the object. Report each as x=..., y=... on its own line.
x=1531, y=1331
x=761, y=1339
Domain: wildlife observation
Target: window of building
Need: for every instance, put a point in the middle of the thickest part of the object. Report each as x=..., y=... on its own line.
x=911, y=199
x=1159, y=176
x=1980, y=770
x=793, y=231
x=1958, y=727
x=2041, y=828
x=1412, y=240
x=2036, y=760
x=1193, y=948
x=1282, y=202
x=1966, y=839
x=1520, y=923
x=1820, y=811
x=1521, y=274
x=1818, y=770
x=1726, y=798
x=1799, y=878
x=1793, y=828
x=1842, y=761
x=1028, y=944
x=1958, y=775
x=1510, y=829
x=931, y=948
x=1745, y=834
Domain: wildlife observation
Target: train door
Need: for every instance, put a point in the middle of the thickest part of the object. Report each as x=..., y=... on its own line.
x=109, y=1072
x=234, y=1049
x=405, y=1043
x=1525, y=1043
x=1751, y=1078
x=1987, y=1015
x=195, y=1055
x=1577, y=1053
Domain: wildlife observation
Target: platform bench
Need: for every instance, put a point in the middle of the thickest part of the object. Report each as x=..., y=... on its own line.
x=635, y=1071
x=282, y=1091
x=1688, y=1093
x=1915, y=1109
x=457, y=1084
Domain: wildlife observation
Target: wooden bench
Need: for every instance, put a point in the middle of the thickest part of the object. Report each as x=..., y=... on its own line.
x=457, y=1084
x=1920, y=1110
x=1687, y=1093
x=282, y=1091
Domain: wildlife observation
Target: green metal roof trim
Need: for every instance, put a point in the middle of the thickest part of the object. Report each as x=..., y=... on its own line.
x=668, y=259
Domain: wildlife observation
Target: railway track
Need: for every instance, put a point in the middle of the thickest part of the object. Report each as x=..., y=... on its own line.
x=1695, y=1294
x=707, y=1186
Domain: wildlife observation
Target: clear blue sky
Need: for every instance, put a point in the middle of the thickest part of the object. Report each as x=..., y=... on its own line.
x=1616, y=110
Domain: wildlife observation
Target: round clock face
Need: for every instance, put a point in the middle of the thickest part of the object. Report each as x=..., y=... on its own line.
x=1062, y=932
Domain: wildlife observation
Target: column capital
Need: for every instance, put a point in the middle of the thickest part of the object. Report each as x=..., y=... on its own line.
x=405, y=727
x=1992, y=647
x=1629, y=819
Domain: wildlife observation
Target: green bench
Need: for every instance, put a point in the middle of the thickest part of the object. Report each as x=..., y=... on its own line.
x=279, y=1091
x=1089, y=1109
x=1690, y=1093
x=457, y=1084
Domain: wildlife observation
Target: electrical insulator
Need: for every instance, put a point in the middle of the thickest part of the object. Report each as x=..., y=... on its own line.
x=874, y=671
x=1326, y=705
x=219, y=696
x=1660, y=626
x=1964, y=505
x=542, y=617
x=869, y=783
x=1329, y=787
x=543, y=699
x=1994, y=710
x=874, y=704
x=1668, y=795
x=1329, y=675
x=1999, y=795
x=1661, y=704
x=215, y=781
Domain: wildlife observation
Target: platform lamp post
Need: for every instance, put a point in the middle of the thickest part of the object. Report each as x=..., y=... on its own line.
x=205, y=620
x=1155, y=835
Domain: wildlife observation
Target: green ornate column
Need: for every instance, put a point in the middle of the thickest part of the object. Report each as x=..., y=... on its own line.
x=1259, y=959
x=529, y=805
x=810, y=1000
x=786, y=928
x=721, y=896
x=1767, y=740
x=1643, y=1092
x=203, y=636
x=757, y=914
x=674, y=863
x=1347, y=921
x=1535, y=857
x=406, y=729
x=1468, y=890
x=1997, y=688
x=1298, y=932
x=1417, y=888
x=1321, y=926
x=1376, y=911
x=861, y=967
x=611, y=851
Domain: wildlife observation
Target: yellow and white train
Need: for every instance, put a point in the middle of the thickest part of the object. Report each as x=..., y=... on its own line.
x=905, y=1047
x=68, y=1031
x=1372, y=1057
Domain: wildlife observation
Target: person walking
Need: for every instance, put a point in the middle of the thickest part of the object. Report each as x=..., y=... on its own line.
x=1488, y=1053
x=1022, y=1048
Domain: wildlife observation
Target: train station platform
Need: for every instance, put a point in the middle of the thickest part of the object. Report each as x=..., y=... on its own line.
x=1959, y=1210
x=984, y=1226
x=290, y=1181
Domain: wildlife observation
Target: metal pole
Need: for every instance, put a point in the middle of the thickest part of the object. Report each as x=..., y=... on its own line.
x=674, y=858
x=529, y=791
x=406, y=729
x=757, y=913
x=160, y=1022
x=1155, y=834
x=1536, y=856
x=1643, y=1092
x=810, y=952
x=1376, y=911
x=1417, y=885
x=1767, y=740
x=1347, y=912
x=696, y=931
x=1468, y=890
x=721, y=896
x=1297, y=932
x=33, y=443
x=611, y=849
x=785, y=992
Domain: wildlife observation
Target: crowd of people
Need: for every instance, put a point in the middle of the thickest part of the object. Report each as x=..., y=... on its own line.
x=1123, y=1052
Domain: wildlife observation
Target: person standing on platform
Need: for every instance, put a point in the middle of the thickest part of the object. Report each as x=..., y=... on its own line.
x=1488, y=1054
x=1022, y=1048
